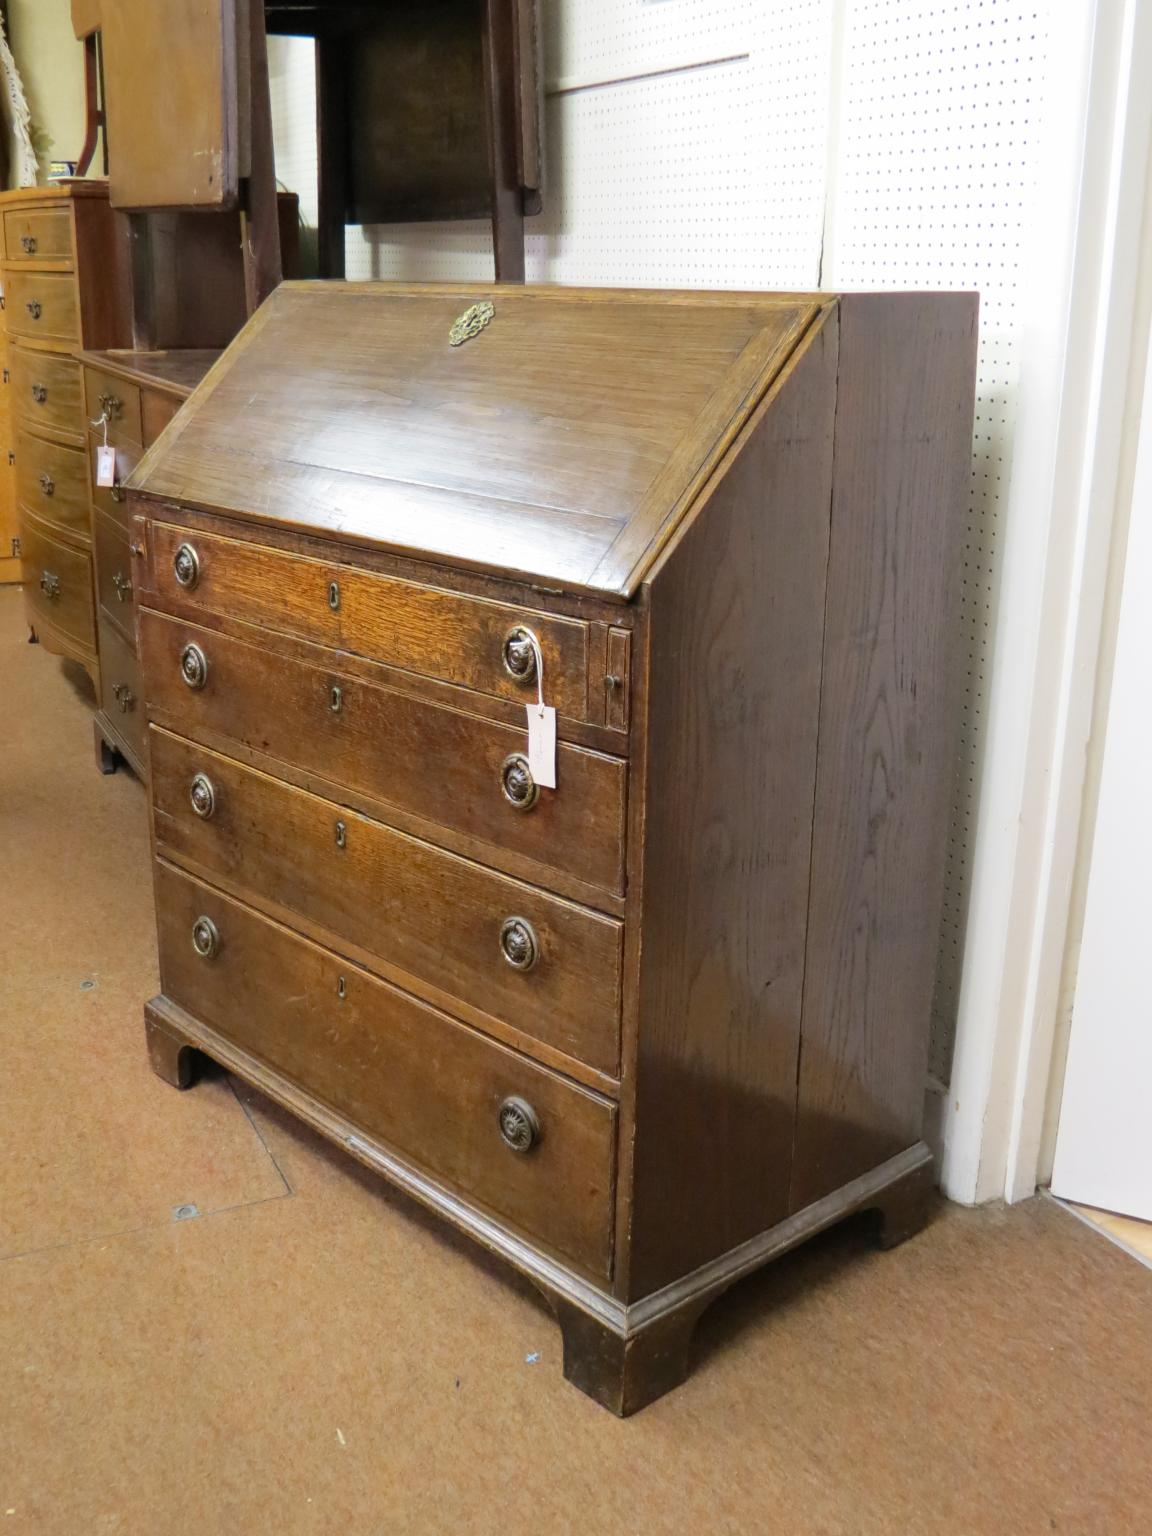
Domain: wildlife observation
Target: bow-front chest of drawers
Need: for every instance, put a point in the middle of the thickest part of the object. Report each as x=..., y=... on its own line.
x=644, y=1031
x=66, y=285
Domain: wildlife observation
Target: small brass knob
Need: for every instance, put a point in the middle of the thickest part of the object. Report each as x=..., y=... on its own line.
x=519, y=1126
x=520, y=654
x=203, y=796
x=29, y=244
x=124, y=697
x=518, y=943
x=47, y=484
x=194, y=666
x=111, y=406
x=186, y=566
x=50, y=584
x=33, y=308
x=39, y=393
x=205, y=938
x=123, y=586
x=520, y=788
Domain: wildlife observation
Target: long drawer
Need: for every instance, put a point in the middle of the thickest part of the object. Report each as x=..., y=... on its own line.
x=444, y=635
x=46, y=388
x=122, y=698
x=58, y=583
x=435, y=1090
x=447, y=767
x=52, y=481
x=546, y=966
x=42, y=306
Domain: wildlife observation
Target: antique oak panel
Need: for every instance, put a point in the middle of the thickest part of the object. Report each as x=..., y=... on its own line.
x=888, y=731
x=52, y=481
x=704, y=959
x=42, y=306
x=121, y=692
x=47, y=391
x=435, y=762
x=415, y=908
x=58, y=582
x=38, y=234
x=405, y=1072
x=115, y=574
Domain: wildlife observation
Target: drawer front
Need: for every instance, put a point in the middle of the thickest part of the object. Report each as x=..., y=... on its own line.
x=114, y=572
x=58, y=582
x=42, y=306
x=426, y=759
x=117, y=399
x=113, y=500
x=52, y=481
x=122, y=697
x=399, y=1070
x=439, y=634
x=416, y=908
x=38, y=234
x=46, y=388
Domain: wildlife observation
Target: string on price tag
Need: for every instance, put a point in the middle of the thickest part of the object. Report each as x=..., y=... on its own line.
x=541, y=727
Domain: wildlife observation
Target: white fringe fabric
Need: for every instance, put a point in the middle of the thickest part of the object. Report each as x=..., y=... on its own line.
x=17, y=119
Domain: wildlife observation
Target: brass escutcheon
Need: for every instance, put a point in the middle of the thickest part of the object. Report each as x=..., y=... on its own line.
x=471, y=322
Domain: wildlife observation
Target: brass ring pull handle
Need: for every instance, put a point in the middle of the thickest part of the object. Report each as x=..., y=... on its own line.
x=50, y=584
x=186, y=567
x=124, y=697
x=39, y=393
x=47, y=484
x=194, y=666
x=518, y=943
x=34, y=309
x=519, y=1127
x=520, y=654
x=111, y=406
x=28, y=243
x=123, y=587
x=520, y=788
x=205, y=938
x=203, y=796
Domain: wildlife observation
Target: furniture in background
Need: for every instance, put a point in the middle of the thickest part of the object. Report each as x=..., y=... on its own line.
x=11, y=569
x=65, y=271
x=641, y=1032
x=130, y=397
x=426, y=109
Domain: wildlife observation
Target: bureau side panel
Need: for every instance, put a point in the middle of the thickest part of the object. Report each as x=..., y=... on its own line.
x=736, y=616
x=888, y=729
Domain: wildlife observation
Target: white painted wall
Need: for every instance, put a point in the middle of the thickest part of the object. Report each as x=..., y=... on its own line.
x=868, y=144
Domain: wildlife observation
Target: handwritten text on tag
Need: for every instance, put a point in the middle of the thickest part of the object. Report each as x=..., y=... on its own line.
x=542, y=744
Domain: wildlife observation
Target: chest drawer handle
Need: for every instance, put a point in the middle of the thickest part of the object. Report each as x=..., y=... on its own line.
x=203, y=796
x=33, y=308
x=194, y=666
x=520, y=654
x=205, y=938
x=519, y=1126
x=335, y=698
x=518, y=943
x=50, y=584
x=124, y=697
x=111, y=406
x=186, y=567
x=28, y=243
x=47, y=484
x=520, y=788
x=39, y=393
x=123, y=587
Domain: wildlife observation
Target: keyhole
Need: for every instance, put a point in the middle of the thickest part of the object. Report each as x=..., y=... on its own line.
x=341, y=988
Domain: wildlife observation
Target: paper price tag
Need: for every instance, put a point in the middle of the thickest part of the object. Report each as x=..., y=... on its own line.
x=542, y=744
x=106, y=467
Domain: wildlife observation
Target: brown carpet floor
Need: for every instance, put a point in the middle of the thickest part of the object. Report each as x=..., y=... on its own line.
x=305, y=1352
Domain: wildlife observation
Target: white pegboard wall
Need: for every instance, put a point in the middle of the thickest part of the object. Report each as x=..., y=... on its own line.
x=933, y=184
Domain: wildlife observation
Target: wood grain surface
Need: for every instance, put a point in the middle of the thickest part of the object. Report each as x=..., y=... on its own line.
x=888, y=730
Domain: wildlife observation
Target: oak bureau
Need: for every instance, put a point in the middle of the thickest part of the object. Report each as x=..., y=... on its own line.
x=644, y=1031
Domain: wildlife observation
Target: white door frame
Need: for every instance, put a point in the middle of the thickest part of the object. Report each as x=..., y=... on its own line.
x=1068, y=500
